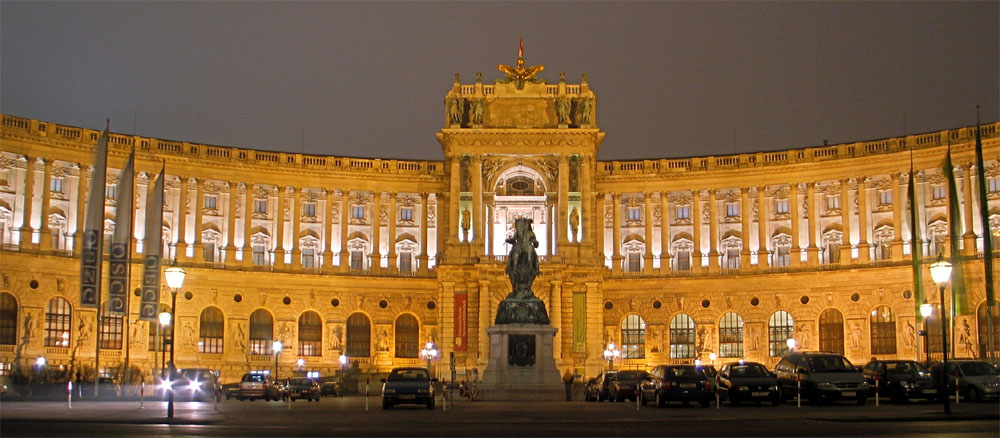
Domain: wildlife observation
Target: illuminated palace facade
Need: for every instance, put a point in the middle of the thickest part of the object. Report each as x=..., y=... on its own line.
x=671, y=259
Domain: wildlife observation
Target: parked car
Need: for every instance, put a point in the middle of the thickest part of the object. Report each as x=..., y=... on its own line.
x=623, y=387
x=197, y=384
x=231, y=390
x=899, y=380
x=977, y=380
x=684, y=383
x=588, y=389
x=824, y=376
x=254, y=386
x=301, y=388
x=329, y=388
x=748, y=381
x=408, y=385
x=599, y=390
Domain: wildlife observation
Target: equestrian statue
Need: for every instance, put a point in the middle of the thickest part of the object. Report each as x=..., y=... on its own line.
x=522, y=306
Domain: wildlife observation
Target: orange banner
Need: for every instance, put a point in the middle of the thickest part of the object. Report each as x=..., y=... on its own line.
x=461, y=322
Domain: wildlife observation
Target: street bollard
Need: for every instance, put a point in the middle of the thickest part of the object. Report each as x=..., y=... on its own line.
x=367, y=381
x=142, y=395
x=69, y=394
x=798, y=397
x=288, y=401
x=956, y=388
x=217, y=397
x=876, y=390
x=718, y=397
x=444, y=400
x=638, y=396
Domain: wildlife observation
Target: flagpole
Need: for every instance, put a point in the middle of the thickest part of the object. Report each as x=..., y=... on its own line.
x=988, y=249
x=127, y=327
x=916, y=254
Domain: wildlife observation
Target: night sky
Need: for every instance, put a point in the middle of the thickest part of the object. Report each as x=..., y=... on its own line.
x=368, y=79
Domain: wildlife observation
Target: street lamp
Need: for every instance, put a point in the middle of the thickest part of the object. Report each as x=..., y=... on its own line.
x=941, y=273
x=175, y=279
x=276, y=347
x=926, y=309
x=300, y=364
x=791, y=344
x=713, y=357
x=429, y=353
x=610, y=354
x=164, y=322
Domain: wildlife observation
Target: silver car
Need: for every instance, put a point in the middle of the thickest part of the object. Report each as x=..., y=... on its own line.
x=977, y=380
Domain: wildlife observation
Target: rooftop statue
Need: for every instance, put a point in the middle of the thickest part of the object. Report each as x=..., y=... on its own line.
x=520, y=74
x=522, y=306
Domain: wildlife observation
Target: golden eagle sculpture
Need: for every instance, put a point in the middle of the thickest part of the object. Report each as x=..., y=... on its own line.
x=519, y=74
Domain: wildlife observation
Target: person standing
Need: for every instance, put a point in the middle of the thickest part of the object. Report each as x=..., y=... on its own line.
x=567, y=379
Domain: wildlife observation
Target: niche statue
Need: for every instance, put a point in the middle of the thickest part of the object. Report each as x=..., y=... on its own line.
x=522, y=306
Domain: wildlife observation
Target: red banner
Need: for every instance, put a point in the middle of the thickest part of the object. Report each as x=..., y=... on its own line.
x=461, y=322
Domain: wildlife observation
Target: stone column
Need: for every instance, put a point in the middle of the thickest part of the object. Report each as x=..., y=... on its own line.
x=864, y=254
x=664, y=232
x=231, y=224
x=647, y=262
x=488, y=226
x=969, y=237
x=180, y=248
x=595, y=325
x=199, y=207
x=422, y=258
x=713, y=232
x=845, y=223
x=328, y=238
x=587, y=200
x=600, y=227
x=376, y=255
x=696, y=255
x=81, y=208
x=562, y=223
x=279, y=218
x=555, y=318
x=345, y=221
x=45, y=238
x=793, y=203
x=812, y=251
x=454, y=228
x=296, y=212
x=762, y=236
x=897, y=217
x=248, y=208
x=478, y=225
x=745, y=219
x=391, y=238
x=616, y=233
x=29, y=194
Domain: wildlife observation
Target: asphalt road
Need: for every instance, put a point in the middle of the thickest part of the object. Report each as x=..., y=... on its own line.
x=347, y=417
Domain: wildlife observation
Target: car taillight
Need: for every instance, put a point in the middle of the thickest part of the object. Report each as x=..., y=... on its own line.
x=665, y=385
x=708, y=385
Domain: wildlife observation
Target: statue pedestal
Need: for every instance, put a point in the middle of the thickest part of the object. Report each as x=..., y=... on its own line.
x=521, y=366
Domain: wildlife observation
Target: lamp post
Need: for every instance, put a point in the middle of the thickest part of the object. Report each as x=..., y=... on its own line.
x=791, y=344
x=276, y=347
x=925, y=311
x=429, y=353
x=941, y=273
x=610, y=354
x=175, y=279
x=164, y=318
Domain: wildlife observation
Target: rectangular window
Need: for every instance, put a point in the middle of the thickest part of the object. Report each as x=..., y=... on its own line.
x=309, y=209
x=110, y=334
x=683, y=212
x=406, y=214
x=209, y=252
x=308, y=258
x=939, y=192
x=885, y=197
x=683, y=260
x=732, y=209
x=358, y=212
x=993, y=184
x=4, y=368
x=781, y=206
x=405, y=261
x=733, y=258
x=634, y=214
x=211, y=202
x=357, y=260
x=109, y=191
x=260, y=206
x=258, y=256
x=833, y=253
x=833, y=202
x=634, y=262
x=57, y=185
x=782, y=258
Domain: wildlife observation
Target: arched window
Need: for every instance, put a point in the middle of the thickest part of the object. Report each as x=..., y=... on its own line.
x=261, y=332
x=633, y=337
x=58, y=321
x=681, y=336
x=933, y=326
x=359, y=335
x=164, y=332
x=731, y=335
x=831, y=331
x=407, y=336
x=211, y=331
x=780, y=328
x=984, y=329
x=883, y=331
x=8, y=319
x=110, y=333
x=310, y=334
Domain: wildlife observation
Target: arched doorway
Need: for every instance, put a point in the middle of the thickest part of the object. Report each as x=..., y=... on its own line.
x=519, y=192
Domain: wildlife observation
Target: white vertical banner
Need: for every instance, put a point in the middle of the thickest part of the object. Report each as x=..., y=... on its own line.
x=93, y=229
x=118, y=266
x=151, y=252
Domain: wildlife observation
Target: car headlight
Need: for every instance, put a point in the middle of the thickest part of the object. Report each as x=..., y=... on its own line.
x=904, y=383
x=826, y=385
x=389, y=391
x=423, y=390
x=165, y=385
x=862, y=385
x=773, y=388
x=744, y=388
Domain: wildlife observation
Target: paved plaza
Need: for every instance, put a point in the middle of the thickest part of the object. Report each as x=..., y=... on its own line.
x=347, y=416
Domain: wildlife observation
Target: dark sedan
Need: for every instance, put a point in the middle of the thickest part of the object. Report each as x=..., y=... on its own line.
x=302, y=388
x=899, y=380
x=748, y=381
x=408, y=385
x=684, y=383
x=597, y=389
x=624, y=385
